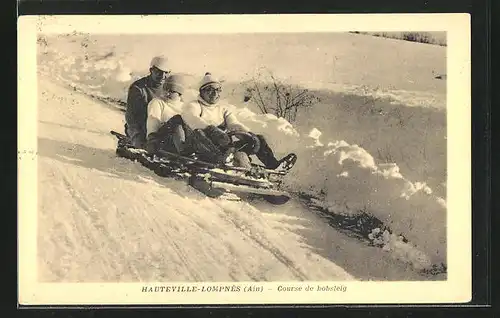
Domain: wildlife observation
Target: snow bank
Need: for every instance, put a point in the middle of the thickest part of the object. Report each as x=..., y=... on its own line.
x=394, y=96
x=344, y=176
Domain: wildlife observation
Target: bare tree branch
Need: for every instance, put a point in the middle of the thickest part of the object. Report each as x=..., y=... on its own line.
x=261, y=100
x=278, y=99
x=282, y=100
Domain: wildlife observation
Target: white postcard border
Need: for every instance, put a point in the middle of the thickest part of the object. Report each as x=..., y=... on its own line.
x=456, y=289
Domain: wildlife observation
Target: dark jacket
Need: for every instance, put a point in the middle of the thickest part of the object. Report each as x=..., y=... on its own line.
x=140, y=93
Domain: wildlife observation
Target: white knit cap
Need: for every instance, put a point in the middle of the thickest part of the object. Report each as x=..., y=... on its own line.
x=176, y=83
x=208, y=79
x=160, y=62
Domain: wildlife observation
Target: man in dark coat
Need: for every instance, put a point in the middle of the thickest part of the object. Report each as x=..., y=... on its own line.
x=140, y=93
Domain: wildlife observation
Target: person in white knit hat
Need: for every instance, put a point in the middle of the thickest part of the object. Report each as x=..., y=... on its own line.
x=218, y=123
x=167, y=131
x=140, y=93
x=162, y=128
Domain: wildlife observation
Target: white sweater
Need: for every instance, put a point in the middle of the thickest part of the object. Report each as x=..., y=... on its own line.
x=198, y=114
x=160, y=111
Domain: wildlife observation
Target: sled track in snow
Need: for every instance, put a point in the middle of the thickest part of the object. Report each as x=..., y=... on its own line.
x=178, y=250
x=268, y=246
x=82, y=225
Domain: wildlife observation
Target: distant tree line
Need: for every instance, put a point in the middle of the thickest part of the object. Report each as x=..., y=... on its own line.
x=421, y=37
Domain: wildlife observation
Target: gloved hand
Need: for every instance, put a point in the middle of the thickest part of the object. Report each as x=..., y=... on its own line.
x=220, y=138
x=177, y=120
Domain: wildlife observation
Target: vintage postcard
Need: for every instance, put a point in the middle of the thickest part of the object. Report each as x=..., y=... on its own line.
x=244, y=159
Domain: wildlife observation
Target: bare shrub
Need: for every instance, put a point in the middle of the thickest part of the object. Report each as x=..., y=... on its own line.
x=273, y=96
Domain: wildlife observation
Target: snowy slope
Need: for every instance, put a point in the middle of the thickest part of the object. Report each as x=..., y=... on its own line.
x=343, y=61
x=103, y=218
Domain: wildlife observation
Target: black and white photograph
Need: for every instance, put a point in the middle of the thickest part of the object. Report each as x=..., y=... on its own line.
x=245, y=159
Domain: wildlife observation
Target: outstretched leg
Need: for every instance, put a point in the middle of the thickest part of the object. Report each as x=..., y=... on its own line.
x=219, y=138
x=265, y=154
x=207, y=149
x=267, y=157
